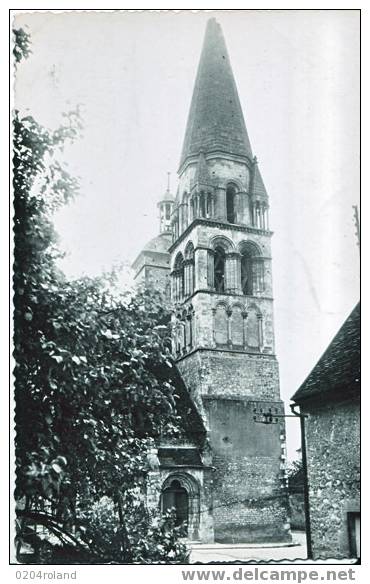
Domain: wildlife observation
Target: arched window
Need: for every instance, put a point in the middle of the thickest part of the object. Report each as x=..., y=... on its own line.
x=246, y=264
x=178, y=278
x=176, y=497
x=202, y=204
x=219, y=269
x=189, y=269
x=230, y=204
x=252, y=269
x=209, y=210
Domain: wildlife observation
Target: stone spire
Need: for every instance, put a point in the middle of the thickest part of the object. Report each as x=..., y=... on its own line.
x=215, y=121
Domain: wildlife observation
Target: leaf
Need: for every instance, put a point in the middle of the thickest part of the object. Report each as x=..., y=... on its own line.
x=56, y=468
x=76, y=360
x=58, y=358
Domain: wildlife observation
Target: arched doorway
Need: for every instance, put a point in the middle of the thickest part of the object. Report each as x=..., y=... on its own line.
x=180, y=491
x=176, y=497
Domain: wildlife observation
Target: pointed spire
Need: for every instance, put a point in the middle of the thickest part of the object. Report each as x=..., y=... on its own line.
x=215, y=120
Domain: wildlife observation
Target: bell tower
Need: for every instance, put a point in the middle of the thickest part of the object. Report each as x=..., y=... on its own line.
x=221, y=287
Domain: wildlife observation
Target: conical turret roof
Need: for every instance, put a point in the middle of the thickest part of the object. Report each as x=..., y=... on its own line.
x=201, y=174
x=215, y=120
x=259, y=188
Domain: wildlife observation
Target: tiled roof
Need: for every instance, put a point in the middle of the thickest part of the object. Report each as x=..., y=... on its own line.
x=191, y=425
x=258, y=186
x=215, y=121
x=338, y=370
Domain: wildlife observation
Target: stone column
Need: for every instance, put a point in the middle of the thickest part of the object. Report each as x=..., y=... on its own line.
x=186, y=278
x=184, y=337
x=203, y=205
x=210, y=269
x=260, y=331
x=245, y=316
x=176, y=281
x=172, y=275
x=228, y=273
x=179, y=220
x=176, y=223
x=253, y=218
x=201, y=268
x=175, y=286
x=243, y=213
x=214, y=326
x=221, y=203
x=196, y=205
x=264, y=220
x=238, y=267
x=258, y=269
x=190, y=342
x=257, y=215
x=237, y=210
x=212, y=206
x=185, y=216
x=191, y=276
x=229, y=339
x=231, y=272
x=192, y=328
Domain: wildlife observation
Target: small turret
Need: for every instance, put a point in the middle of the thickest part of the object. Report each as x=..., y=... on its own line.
x=165, y=206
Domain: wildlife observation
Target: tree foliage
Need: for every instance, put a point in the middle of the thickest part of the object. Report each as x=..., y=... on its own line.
x=89, y=400
x=22, y=42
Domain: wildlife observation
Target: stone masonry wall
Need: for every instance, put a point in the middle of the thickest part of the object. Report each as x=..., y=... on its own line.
x=333, y=451
x=231, y=374
x=250, y=500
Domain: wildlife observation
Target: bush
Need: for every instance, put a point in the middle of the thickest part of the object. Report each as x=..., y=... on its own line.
x=138, y=539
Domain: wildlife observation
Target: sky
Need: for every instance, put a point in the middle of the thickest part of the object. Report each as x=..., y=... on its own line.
x=132, y=73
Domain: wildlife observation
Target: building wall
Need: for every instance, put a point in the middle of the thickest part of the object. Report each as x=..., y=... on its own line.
x=250, y=498
x=152, y=270
x=231, y=374
x=333, y=452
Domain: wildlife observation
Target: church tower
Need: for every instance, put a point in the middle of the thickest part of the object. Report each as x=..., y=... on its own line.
x=221, y=288
x=152, y=265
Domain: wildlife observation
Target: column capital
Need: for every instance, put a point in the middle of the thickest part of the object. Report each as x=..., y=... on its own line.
x=233, y=254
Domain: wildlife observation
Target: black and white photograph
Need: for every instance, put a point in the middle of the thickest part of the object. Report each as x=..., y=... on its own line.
x=185, y=320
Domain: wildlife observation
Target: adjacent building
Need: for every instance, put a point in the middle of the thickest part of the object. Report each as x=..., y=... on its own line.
x=330, y=396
